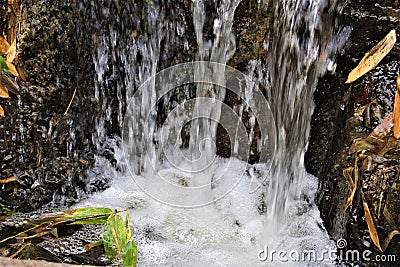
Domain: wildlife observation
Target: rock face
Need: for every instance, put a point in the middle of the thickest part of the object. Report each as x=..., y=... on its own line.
x=51, y=153
x=48, y=151
x=335, y=128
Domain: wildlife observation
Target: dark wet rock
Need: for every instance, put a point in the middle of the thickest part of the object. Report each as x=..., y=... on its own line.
x=335, y=127
x=73, y=246
x=39, y=144
x=58, y=41
x=250, y=27
x=3, y=16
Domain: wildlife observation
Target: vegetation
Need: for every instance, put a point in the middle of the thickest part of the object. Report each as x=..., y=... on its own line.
x=375, y=158
x=8, y=48
x=116, y=237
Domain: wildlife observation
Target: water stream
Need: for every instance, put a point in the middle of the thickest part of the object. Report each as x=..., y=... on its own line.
x=302, y=44
x=188, y=206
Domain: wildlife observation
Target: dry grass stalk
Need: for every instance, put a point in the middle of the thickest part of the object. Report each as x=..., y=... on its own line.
x=373, y=57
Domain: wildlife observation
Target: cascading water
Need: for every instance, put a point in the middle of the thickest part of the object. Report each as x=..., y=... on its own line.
x=302, y=45
x=203, y=131
x=231, y=230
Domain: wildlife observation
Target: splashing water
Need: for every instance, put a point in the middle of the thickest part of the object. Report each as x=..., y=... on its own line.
x=233, y=228
x=301, y=46
x=203, y=131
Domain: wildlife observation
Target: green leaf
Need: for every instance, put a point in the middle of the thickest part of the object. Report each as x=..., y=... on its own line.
x=3, y=65
x=130, y=257
x=94, y=244
x=4, y=210
x=97, y=220
x=86, y=216
x=110, y=246
x=118, y=242
x=128, y=227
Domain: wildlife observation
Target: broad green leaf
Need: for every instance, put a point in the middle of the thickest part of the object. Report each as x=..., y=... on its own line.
x=130, y=257
x=3, y=65
x=117, y=240
x=110, y=247
x=86, y=215
x=5, y=211
x=97, y=220
x=128, y=227
x=120, y=231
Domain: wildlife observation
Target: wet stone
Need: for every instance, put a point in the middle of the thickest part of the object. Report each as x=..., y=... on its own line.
x=345, y=114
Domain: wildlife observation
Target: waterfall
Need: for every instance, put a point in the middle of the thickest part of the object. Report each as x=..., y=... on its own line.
x=203, y=131
x=302, y=44
x=126, y=38
x=178, y=167
x=148, y=142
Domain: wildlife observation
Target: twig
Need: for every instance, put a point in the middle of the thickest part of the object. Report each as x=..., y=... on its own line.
x=70, y=102
x=20, y=249
x=23, y=232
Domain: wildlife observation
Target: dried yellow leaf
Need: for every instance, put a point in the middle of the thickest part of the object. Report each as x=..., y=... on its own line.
x=371, y=226
x=1, y=112
x=353, y=186
x=20, y=249
x=8, y=83
x=3, y=91
x=70, y=102
x=4, y=45
x=11, y=34
x=12, y=52
x=15, y=4
x=84, y=161
x=389, y=238
x=347, y=173
x=23, y=74
x=373, y=57
x=11, y=179
x=12, y=69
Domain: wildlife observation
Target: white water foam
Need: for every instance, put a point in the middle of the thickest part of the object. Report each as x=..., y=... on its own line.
x=227, y=233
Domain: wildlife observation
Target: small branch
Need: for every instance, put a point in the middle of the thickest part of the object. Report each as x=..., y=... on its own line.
x=20, y=249
x=70, y=102
x=23, y=232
